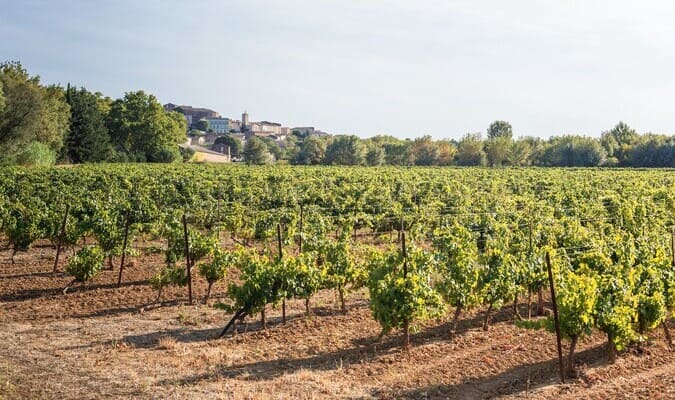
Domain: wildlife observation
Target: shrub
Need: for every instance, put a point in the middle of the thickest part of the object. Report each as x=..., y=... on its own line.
x=36, y=154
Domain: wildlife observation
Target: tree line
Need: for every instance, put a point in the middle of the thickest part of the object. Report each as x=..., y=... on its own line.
x=620, y=146
x=48, y=124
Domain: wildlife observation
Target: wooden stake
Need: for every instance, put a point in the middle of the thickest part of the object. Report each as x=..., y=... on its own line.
x=187, y=259
x=300, y=239
x=555, y=318
x=283, y=301
x=62, y=233
x=406, y=322
x=124, y=247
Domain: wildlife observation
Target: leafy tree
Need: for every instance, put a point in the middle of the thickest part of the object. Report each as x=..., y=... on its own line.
x=425, y=151
x=446, y=152
x=88, y=140
x=618, y=141
x=202, y=125
x=345, y=150
x=312, y=152
x=255, y=152
x=652, y=151
x=519, y=153
x=233, y=142
x=273, y=148
x=573, y=151
x=498, y=149
x=500, y=129
x=375, y=156
x=54, y=120
x=22, y=105
x=290, y=148
x=300, y=134
x=470, y=150
x=399, y=152
x=31, y=112
x=140, y=127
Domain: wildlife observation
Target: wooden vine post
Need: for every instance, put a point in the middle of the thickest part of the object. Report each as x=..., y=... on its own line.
x=400, y=230
x=187, y=259
x=529, y=292
x=124, y=246
x=406, y=322
x=59, y=241
x=283, y=301
x=664, y=323
x=555, y=318
x=300, y=234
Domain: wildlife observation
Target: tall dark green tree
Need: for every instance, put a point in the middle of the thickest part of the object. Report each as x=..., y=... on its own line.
x=88, y=140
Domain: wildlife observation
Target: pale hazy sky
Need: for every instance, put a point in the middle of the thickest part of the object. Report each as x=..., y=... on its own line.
x=402, y=67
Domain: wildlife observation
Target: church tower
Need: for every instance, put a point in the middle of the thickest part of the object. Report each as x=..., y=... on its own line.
x=244, y=121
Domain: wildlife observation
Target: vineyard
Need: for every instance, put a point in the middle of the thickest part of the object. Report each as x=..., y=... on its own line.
x=336, y=282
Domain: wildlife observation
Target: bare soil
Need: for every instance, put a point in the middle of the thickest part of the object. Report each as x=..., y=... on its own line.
x=101, y=341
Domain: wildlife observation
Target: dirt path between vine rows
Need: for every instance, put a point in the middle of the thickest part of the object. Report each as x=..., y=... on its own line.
x=102, y=341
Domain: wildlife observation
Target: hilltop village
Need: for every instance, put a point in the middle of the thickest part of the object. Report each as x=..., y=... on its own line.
x=208, y=130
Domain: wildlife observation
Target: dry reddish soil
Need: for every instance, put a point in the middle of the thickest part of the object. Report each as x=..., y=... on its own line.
x=101, y=341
